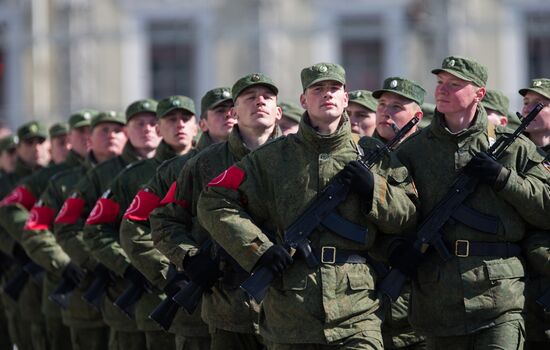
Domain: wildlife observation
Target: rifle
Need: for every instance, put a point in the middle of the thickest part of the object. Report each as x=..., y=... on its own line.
x=98, y=288
x=429, y=233
x=166, y=310
x=321, y=212
x=127, y=301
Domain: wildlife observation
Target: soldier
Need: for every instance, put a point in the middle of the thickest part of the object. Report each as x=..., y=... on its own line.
x=70, y=220
x=177, y=126
x=8, y=157
x=290, y=120
x=399, y=100
x=59, y=141
x=216, y=123
x=475, y=299
x=496, y=105
x=332, y=305
x=230, y=314
x=362, y=112
x=536, y=246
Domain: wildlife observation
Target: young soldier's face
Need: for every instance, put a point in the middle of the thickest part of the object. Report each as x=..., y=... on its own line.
x=496, y=118
x=325, y=100
x=79, y=139
x=178, y=128
x=542, y=120
x=394, y=109
x=142, y=132
x=363, y=120
x=34, y=151
x=108, y=139
x=8, y=159
x=288, y=126
x=256, y=107
x=453, y=95
x=219, y=121
x=60, y=147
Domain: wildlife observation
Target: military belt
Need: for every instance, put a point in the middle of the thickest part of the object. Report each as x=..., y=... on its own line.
x=463, y=248
x=333, y=255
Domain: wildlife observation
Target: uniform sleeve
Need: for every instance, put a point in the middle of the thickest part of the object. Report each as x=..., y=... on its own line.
x=222, y=211
x=536, y=249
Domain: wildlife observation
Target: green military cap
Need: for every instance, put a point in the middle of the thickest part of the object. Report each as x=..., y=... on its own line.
x=171, y=103
x=82, y=118
x=214, y=97
x=363, y=98
x=403, y=87
x=540, y=86
x=32, y=129
x=251, y=80
x=496, y=100
x=8, y=142
x=428, y=110
x=108, y=117
x=58, y=129
x=321, y=72
x=465, y=69
x=291, y=111
x=141, y=106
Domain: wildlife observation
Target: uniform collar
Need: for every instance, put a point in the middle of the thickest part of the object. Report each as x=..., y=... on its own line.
x=237, y=145
x=73, y=159
x=164, y=152
x=129, y=154
x=325, y=143
x=204, y=141
x=439, y=128
x=22, y=169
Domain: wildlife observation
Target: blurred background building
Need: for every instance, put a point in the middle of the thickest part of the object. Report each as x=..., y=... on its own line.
x=57, y=56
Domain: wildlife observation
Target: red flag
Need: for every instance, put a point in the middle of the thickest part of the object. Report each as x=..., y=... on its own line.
x=20, y=195
x=40, y=218
x=231, y=178
x=70, y=211
x=105, y=211
x=170, y=197
x=142, y=205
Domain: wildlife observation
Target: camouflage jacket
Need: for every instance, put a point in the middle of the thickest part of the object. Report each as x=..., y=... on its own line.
x=266, y=191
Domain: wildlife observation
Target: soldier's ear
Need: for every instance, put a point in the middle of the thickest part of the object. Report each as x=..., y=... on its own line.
x=303, y=101
x=480, y=94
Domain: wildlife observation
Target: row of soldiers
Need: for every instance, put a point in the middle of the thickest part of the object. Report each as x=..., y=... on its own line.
x=137, y=212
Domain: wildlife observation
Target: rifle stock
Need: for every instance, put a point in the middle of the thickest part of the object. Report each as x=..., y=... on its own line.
x=13, y=287
x=189, y=296
x=98, y=288
x=165, y=312
x=127, y=301
x=62, y=293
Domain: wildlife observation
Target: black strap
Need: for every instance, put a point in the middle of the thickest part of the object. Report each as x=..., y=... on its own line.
x=332, y=255
x=464, y=248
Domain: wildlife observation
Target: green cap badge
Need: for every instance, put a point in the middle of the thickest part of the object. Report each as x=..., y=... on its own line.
x=171, y=103
x=291, y=111
x=141, y=106
x=32, y=129
x=363, y=98
x=321, y=72
x=496, y=100
x=540, y=86
x=108, y=117
x=465, y=69
x=58, y=129
x=214, y=97
x=82, y=118
x=252, y=80
x=8, y=142
x=404, y=87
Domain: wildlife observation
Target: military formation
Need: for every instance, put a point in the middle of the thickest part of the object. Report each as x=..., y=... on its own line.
x=354, y=220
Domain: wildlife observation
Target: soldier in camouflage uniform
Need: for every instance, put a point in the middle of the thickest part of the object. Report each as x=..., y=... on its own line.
x=537, y=245
x=497, y=106
x=474, y=300
x=362, y=112
x=216, y=123
x=69, y=222
x=398, y=101
x=177, y=126
x=230, y=314
x=290, y=120
x=332, y=305
x=59, y=142
x=38, y=239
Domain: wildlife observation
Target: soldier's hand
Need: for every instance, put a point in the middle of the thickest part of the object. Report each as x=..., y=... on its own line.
x=73, y=274
x=360, y=178
x=135, y=277
x=405, y=258
x=486, y=169
x=275, y=258
x=176, y=281
x=201, y=269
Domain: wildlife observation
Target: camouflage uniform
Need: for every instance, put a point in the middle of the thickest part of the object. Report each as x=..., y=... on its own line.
x=335, y=303
x=474, y=297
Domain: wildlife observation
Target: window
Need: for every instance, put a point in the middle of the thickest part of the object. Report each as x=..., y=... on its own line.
x=538, y=44
x=172, y=57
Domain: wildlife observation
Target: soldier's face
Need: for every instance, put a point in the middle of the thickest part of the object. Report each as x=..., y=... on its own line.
x=288, y=126
x=256, y=108
x=219, y=121
x=108, y=140
x=454, y=95
x=325, y=101
x=8, y=159
x=542, y=120
x=496, y=118
x=142, y=132
x=34, y=151
x=394, y=109
x=60, y=148
x=178, y=128
x=79, y=139
x=363, y=120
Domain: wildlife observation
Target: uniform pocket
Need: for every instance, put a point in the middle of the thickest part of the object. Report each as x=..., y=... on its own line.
x=359, y=277
x=504, y=269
